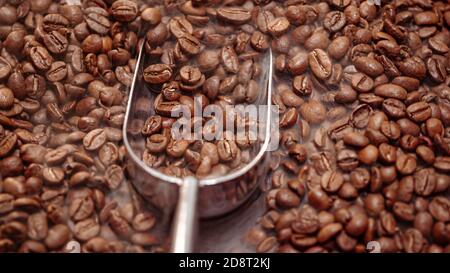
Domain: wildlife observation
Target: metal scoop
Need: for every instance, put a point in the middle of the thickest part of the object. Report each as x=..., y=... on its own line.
x=191, y=197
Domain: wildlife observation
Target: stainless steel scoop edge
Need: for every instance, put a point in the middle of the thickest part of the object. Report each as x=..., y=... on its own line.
x=185, y=218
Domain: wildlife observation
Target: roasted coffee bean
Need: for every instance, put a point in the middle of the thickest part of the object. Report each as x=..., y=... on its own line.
x=413, y=241
x=298, y=63
x=313, y=111
x=331, y=181
x=57, y=71
x=334, y=21
x=157, y=73
x=278, y=26
x=440, y=208
x=403, y=211
x=285, y=198
x=114, y=176
x=56, y=42
x=360, y=178
x=94, y=139
x=328, y=232
x=40, y=57
x=319, y=199
x=6, y=98
x=124, y=10
x=234, y=15
x=289, y=118
x=394, y=108
x=406, y=164
x=320, y=64
x=302, y=85
x=57, y=236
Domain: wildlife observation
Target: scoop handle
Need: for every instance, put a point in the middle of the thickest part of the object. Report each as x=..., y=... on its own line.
x=185, y=220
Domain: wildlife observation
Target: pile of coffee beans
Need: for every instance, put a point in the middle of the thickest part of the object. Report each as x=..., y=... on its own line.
x=365, y=139
x=201, y=55
x=364, y=98
x=65, y=70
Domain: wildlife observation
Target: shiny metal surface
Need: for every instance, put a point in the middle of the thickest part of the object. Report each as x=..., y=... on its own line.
x=216, y=196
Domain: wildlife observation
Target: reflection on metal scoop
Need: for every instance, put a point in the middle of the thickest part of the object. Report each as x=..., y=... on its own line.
x=191, y=197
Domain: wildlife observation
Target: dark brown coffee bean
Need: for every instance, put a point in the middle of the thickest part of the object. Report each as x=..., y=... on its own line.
x=157, y=73
x=267, y=245
x=424, y=182
x=285, y=198
x=368, y=155
x=355, y=139
x=334, y=21
x=406, y=164
x=189, y=44
x=413, y=241
x=391, y=91
x=94, y=139
x=152, y=125
x=386, y=223
x=57, y=236
x=278, y=26
x=339, y=47
x=56, y=42
x=234, y=15
x=53, y=175
x=97, y=20
x=6, y=98
x=114, y=176
x=302, y=85
x=374, y=204
x=403, y=211
x=15, y=41
x=298, y=63
x=424, y=223
x=229, y=59
x=390, y=129
x=361, y=82
x=57, y=72
x=394, y=108
x=319, y=199
x=227, y=150
x=298, y=152
x=387, y=153
x=152, y=15
x=92, y=44
x=440, y=208
x=289, y=118
x=347, y=159
x=156, y=143
x=360, y=178
x=81, y=208
x=40, y=57
x=179, y=26
x=331, y=181
x=86, y=229
x=419, y=111
x=320, y=64
x=313, y=111
x=124, y=10
x=426, y=18
x=412, y=67
x=328, y=232
x=368, y=66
